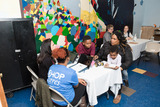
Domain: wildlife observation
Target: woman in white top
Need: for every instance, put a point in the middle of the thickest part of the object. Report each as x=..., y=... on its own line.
x=127, y=34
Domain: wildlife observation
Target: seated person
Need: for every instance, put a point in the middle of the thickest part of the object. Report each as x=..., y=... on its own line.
x=65, y=80
x=107, y=35
x=86, y=47
x=113, y=57
x=127, y=34
x=124, y=50
x=45, y=59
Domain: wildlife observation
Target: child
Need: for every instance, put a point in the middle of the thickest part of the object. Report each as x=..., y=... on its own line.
x=113, y=57
x=86, y=47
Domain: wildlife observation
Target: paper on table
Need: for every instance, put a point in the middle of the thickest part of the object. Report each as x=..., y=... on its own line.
x=79, y=67
x=69, y=65
x=112, y=66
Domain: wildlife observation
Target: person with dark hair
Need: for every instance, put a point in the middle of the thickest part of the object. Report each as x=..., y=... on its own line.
x=65, y=80
x=113, y=57
x=86, y=47
x=45, y=59
x=124, y=50
x=127, y=34
x=107, y=35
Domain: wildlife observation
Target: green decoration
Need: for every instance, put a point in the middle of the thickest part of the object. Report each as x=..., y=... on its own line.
x=49, y=1
x=50, y=16
x=54, y=22
x=60, y=21
x=77, y=27
x=99, y=16
x=43, y=26
x=38, y=43
x=41, y=6
x=65, y=31
x=28, y=16
x=66, y=19
x=70, y=38
x=74, y=43
x=55, y=39
x=41, y=18
x=71, y=25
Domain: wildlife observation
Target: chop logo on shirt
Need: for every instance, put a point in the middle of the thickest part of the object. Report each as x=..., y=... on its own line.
x=55, y=77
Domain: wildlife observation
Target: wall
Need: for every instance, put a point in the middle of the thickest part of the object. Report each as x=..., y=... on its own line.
x=138, y=17
x=151, y=13
x=10, y=9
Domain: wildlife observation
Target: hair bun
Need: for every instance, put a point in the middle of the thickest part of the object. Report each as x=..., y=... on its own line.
x=54, y=53
x=59, y=53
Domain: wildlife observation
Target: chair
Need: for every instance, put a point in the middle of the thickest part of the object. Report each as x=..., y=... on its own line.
x=151, y=47
x=55, y=95
x=34, y=78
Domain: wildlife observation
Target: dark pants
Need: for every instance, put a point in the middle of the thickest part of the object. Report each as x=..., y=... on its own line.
x=80, y=91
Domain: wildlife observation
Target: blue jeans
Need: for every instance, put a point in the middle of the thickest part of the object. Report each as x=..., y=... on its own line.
x=125, y=74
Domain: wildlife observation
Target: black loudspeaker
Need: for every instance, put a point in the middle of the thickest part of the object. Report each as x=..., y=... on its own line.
x=17, y=50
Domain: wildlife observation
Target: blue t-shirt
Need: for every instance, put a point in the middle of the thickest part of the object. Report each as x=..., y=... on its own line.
x=62, y=79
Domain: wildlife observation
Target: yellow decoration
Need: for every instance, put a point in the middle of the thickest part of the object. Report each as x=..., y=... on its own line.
x=89, y=17
x=32, y=7
x=139, y=70
x=35, y=11
x=31, y=12
x=44, y=13
x=88, y=30
x=41, y=38
x=45, y=3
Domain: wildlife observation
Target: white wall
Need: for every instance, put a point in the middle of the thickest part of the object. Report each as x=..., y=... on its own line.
x=10, y=9
x=138, y=17
x=151, y=13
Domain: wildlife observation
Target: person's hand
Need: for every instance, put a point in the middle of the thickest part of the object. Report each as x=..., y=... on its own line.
x=95, y=57
x=121, y=68
x=116, y=67
x=127, y=38
x=106, y=64
x=83, y=82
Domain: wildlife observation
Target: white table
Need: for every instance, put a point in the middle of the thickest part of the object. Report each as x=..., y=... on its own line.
x=99, y=79
x=139, y=47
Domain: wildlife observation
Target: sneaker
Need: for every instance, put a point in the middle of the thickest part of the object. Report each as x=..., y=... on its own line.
x=126, y=83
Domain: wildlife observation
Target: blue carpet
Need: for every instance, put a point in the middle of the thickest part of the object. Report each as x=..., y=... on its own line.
x=147, y=90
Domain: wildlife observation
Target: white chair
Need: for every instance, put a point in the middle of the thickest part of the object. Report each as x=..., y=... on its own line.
x=34, y=78
x=55, y=95
x=151, y=47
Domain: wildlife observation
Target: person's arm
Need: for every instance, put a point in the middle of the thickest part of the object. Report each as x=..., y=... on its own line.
x=128, y=58
x=100, y=53
x=80, y=50
x=92, y=50
x=130, y=35
x=44, y=68
x=74, y=80
x=109, y=59
x=119, y=61
x=106, y=38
